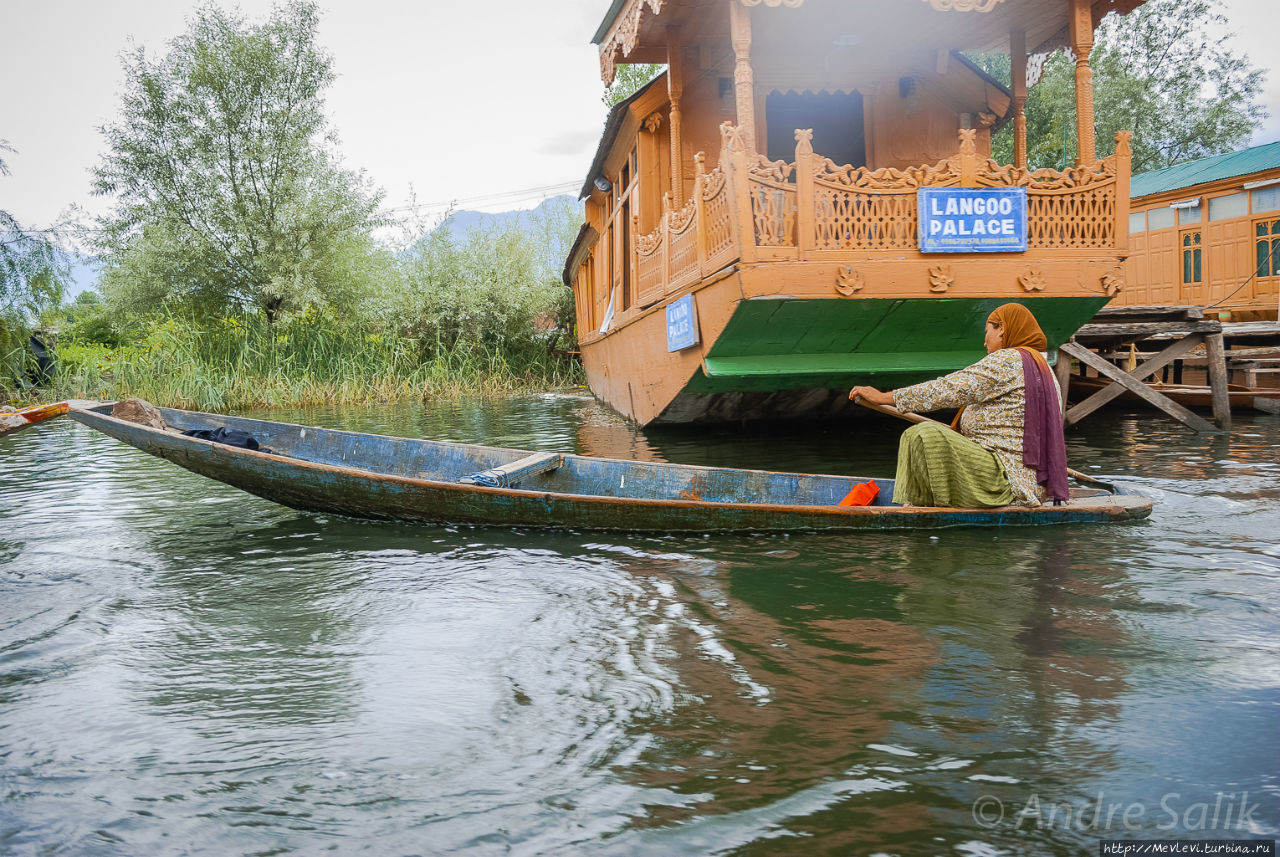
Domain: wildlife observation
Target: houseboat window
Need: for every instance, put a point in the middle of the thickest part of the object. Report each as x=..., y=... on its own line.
x=1190, y=214
x=1226, y=207
x=1267, y=246
x=836, y=120
x=1137, y=222
x=1266, y=199
x=1159, y=218
x=1191, y=257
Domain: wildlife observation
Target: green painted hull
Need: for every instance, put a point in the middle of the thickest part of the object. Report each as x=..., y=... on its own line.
x=792, y=344
x=799, y=357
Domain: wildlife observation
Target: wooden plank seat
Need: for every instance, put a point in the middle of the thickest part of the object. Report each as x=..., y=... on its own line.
x=511, y=473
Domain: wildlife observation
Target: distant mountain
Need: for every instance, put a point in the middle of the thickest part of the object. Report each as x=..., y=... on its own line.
x=463, y=220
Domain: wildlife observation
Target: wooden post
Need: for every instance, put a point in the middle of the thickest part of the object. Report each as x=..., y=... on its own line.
x=699, y=211
x=675, y=87
x=806, y=240
x=968, y=158
x=1062, y=369
x=743, y=79
x=739, y=177
x=1018, y=74
x=1081, y=38
x=1124, y=156
x=1218, y=379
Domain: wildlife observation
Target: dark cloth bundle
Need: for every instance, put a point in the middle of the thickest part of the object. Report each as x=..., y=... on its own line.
x=231, y=437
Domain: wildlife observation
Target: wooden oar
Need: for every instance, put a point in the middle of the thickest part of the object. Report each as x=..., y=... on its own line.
x=916, y=418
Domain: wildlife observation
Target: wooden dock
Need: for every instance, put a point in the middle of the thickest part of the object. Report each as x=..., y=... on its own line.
x=1127, y=346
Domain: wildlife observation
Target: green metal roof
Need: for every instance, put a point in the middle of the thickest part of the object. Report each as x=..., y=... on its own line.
x=1205, y=170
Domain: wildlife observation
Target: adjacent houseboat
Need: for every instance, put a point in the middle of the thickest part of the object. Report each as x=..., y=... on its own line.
x=1207, y=233
x=804, y=200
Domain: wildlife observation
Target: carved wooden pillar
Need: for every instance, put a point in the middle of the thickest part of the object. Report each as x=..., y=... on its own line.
x=1018, y=76
x=675, y=87
x=743, y=80
x=1081, y=37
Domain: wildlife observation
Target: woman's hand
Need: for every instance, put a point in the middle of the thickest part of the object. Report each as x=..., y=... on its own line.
x=872, y=395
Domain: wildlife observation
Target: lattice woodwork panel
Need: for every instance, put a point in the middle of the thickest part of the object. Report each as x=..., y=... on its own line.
x=683, y=254
x=773, y=209
x=717, y=218
x=649, y=268
x=847, y=220
x=1084, y=218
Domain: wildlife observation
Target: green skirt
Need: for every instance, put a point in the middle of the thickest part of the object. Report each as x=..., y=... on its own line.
x=940, y=467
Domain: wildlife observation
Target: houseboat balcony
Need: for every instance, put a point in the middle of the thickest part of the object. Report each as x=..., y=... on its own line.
x=750, y=210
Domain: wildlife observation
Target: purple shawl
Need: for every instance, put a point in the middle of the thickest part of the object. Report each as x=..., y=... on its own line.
x=1043, y=447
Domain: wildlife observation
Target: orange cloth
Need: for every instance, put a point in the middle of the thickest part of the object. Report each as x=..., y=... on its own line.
x=861, y=495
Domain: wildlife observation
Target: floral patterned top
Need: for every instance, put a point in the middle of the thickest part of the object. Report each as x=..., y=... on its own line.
x=993, y=393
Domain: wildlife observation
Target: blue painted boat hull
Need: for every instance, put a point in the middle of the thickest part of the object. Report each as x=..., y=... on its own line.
x=390, y=478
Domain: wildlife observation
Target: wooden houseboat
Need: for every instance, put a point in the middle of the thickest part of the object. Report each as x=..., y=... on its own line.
x=1207, y=233
x=804, y=200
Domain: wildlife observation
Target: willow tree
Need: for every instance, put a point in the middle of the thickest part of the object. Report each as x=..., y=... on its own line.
x=33, y=276
x=229, y=193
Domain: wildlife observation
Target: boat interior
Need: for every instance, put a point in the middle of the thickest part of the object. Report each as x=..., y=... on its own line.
x=443, y=461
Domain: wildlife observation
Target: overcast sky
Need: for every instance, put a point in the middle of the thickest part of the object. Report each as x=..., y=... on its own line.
x=494, y=103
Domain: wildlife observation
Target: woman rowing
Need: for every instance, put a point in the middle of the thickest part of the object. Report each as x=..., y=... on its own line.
x=1009, y=448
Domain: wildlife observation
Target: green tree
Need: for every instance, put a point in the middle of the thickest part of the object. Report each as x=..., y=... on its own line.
x=628, y=80
x=229, y=193
x=33, y=277
x=1159, y=72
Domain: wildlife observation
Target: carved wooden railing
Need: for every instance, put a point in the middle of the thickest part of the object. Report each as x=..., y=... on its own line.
x=690, y=242
x=754, y=209
x=812, y=206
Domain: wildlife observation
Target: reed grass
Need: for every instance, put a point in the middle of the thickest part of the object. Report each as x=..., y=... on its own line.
x=244, y=362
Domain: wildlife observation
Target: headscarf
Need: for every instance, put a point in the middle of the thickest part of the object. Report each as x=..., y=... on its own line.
x=1043, y=447
x=1020, y=327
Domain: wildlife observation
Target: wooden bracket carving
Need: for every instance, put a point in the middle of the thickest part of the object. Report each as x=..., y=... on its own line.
x=849, y=281
x=941, y=278
x=1113, y=282
x=653, y=122
x=1033, y=280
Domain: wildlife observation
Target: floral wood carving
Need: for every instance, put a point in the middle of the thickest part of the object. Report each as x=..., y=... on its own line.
x=948, y=173
x=772, y=171
x=941, y=278
x=963, y=5
x=849, y=281
x=653, y=122
x=1032, y=280
x=1113, y=282
x=679, y=219
x=623, y=37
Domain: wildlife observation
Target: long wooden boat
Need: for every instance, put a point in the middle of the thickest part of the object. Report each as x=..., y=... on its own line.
x=393, y=478
x=17, y=420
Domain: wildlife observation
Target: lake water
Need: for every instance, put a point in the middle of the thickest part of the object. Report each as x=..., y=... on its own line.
x=187, y=669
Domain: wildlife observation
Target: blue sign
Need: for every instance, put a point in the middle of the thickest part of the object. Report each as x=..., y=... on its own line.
x=682, y=324
x=972, y=220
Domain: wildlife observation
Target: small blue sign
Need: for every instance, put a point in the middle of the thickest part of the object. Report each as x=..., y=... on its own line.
x=682, y=324
x=972, y=220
